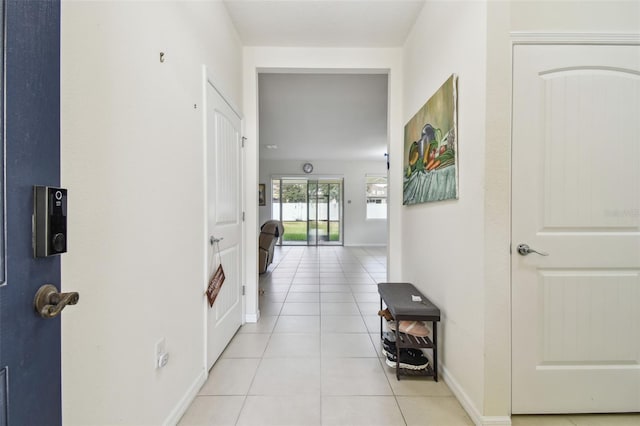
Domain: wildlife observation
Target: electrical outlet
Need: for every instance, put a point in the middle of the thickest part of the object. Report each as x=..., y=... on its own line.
x=161, y=355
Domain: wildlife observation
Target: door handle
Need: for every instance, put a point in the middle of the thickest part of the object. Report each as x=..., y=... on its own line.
x=49, y=303
x=524, y=250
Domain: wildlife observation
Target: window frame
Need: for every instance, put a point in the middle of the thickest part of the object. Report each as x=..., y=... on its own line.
x=383, y=199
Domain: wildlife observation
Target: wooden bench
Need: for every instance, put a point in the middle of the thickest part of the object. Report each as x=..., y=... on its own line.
x=397, y=298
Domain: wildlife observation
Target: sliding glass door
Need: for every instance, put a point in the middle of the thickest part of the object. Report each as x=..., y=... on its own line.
x=291, y=210
x=310, y=210
x=325, y=201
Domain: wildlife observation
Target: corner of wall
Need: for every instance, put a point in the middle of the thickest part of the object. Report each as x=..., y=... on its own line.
x=183, y=404
x=469, y=406
x=250, y=152
x=497, y=280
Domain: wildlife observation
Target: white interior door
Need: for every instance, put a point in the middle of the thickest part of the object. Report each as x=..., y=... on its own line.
x=224, y=219
x=576, y=196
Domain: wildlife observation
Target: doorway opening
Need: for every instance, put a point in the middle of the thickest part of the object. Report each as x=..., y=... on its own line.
x=309, y=209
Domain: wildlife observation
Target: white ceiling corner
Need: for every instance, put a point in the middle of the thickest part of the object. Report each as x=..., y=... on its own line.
x=324, y=23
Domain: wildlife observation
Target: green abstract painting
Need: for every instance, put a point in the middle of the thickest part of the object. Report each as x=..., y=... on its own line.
x=430, y=149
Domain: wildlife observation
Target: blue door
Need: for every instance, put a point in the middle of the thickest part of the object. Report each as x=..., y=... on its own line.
x=30, y=392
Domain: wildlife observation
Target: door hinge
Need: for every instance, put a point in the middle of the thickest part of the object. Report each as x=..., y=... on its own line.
x=243, y=140
x=243, y=216
x=243, y=289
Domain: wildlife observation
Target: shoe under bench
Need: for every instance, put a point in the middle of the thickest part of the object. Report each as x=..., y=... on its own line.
x=398, y=299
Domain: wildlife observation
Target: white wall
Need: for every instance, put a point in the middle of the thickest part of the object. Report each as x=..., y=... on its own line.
x=497, y=279
x=570, y=16
x=443, y=242
x=357, y=230
x=256, y=59
x=132, y=158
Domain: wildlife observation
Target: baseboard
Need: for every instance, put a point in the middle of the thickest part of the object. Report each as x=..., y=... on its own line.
x=496, y=421
x=252, y=317
x=182, y=406
x=469, y=406
x=365, y=245
x=462, y=396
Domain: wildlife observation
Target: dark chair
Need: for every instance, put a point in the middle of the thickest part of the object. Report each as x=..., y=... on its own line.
x=270, y=231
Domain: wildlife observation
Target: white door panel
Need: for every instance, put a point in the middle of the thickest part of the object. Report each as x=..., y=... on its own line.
x=229, y=296
x=576, y=196
x=224, y=220
x=227, y=165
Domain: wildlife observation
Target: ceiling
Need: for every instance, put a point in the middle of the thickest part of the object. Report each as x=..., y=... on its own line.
x=324, y=23
x=322, y=116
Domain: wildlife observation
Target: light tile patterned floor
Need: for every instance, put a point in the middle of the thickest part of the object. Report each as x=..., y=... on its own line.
x=314, y=356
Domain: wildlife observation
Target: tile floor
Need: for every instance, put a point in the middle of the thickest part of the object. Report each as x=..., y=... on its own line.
x=314, y=357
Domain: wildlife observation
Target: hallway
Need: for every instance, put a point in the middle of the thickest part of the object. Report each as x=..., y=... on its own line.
x=314, y=357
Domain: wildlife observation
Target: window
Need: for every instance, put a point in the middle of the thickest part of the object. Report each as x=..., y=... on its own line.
x=376, y=196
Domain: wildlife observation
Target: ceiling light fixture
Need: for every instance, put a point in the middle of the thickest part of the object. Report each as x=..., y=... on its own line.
x=271, y=146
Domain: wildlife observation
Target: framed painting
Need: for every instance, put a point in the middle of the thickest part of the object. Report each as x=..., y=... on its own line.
x=262, y=201
x=431, y=147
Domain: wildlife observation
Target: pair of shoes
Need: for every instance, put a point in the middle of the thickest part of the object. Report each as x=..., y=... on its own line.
x=415, y=328
x=410, y=359
x=386, y=314
x=389, y=347
x=389, y=337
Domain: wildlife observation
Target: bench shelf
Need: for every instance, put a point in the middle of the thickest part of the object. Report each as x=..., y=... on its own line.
x=398, y=299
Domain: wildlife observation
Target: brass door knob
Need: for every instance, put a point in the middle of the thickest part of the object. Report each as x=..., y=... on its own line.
x=49, y=303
